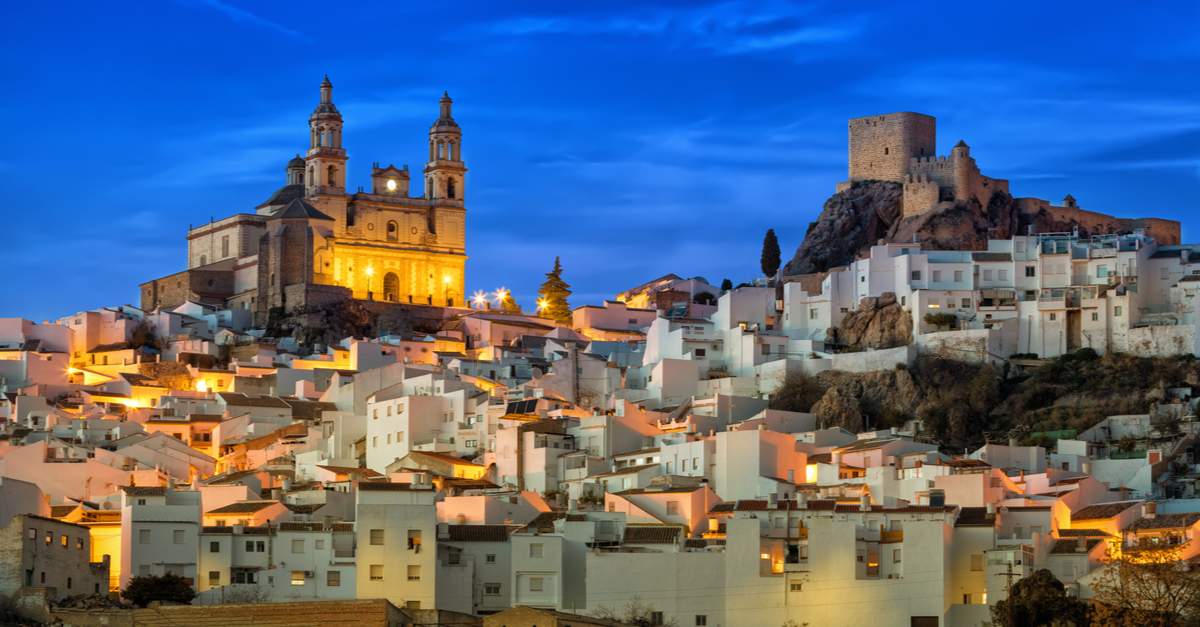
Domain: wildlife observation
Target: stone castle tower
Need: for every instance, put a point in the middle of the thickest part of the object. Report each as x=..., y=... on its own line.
x=314, y=241
x=902, y=148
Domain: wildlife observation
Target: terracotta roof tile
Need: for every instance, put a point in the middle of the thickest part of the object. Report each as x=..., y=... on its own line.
x=479, y=533
x=1069, y=545
x=1165, y=521
x=244, y=507
x=651, y=535
x=1102, y=511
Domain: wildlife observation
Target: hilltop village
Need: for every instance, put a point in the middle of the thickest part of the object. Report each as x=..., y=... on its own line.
x=478, y=464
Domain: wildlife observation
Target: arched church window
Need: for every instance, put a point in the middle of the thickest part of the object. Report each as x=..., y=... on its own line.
x=391, y=230
x=332, y=176
x=450, y=188
x=391, y=286
x=351, y=214
x=203, y=260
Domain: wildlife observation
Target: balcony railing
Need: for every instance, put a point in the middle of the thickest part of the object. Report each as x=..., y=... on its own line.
x=890, y=537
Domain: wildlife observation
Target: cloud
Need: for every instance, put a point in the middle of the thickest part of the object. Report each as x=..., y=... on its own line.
x=241, y=16
x=731, y=28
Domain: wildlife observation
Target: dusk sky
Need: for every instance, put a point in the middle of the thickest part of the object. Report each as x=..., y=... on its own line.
x=631, y=139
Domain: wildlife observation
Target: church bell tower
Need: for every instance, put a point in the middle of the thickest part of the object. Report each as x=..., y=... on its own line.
x=325, y=162
x=445, y=173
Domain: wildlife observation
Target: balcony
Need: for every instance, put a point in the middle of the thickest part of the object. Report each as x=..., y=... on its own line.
x=867, y=535
x=796, y=567
x=892, y=537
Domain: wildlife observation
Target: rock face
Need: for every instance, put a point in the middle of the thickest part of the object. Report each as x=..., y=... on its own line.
x=838, y=410
x=851, y=220
x=877, y=323
x=872, y=212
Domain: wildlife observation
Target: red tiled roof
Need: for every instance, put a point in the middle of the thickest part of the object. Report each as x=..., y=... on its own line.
x=479, y=533
x=651, y=534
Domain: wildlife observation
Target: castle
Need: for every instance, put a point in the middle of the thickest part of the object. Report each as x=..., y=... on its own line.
x=312, y=242
x=902, y=148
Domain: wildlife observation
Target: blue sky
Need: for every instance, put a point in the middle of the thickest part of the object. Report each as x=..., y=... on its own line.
x=631, y=139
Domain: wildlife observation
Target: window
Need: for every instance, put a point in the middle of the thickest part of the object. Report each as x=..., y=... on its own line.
x=896, y=556
x=214, y=577
x=376, y=572
x=225, y=246
x=1165, y=273
x=916, y=275
x=203, y=260
x=812, y=314
x=297, y=578
x=453, y=558
x=966, y=303
x=491, y=589
x=389, y=410
x=958, y=276
x=796, y=586
x=701, y=620
x=399, y=437
x=261, y=546
x=140, y=501
x=1117, y=311
x=987, y=275
x=976, y=562
x=64, y=541
x=333, y=578
x=375, y=414
x=1002, y=275
x=68, y=583
x=214, y=547
x=766, y=349
x=144, y=536
x=700, y=352
x=297, y=546
x=695, y=463
x=1030, y=271
x=374, y=441
x=862, y=279
x=672, y=508
x=490, y=559
x=320, y=544
x=389, y=438
x=934, y=303
x=536, y=550
x=414, y=573
x=902, y=299
x=937, y=276
x=391, y=230
x=535, y=584
x=656, y=618
x=1053, y=317
x=79, y=543
x=1095, y=316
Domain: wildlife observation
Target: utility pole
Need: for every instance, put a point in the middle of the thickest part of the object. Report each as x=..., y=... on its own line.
x=1008, y=604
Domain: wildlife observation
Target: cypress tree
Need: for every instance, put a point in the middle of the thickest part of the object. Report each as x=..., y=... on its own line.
x=726, y=285
x=770, y=254
x=554, y=293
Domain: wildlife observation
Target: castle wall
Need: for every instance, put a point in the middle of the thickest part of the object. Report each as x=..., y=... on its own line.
x=211, y=286
x=1165, y=232
x=882, y=145
x=920, y=195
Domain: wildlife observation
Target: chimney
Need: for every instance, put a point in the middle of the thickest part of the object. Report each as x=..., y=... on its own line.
x=864, y=503
x=276, y=494
x=837, y=458
x=1022, y=475
x=791, y=476
x=991, y=510
x=1086, y=467
x=802, y=500
x=287, y=484
x=772, y=500
x=327, y=522
x=895, y=431
x=1150, y=510
x=1081, y=546
x=762, y=427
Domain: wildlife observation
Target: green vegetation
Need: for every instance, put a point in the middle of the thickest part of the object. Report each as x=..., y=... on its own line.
x=770, y=254
x=726, y=285
x=704, y=298
x=554, y=294
x=144, y=590
x=940, y=319
x=1039, y=600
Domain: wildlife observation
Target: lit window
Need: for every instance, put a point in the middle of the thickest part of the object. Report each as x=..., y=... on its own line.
x=376, y=572
x=297, y=578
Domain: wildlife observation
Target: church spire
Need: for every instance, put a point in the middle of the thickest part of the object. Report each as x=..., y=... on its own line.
x=445, y=171
x=326, y=159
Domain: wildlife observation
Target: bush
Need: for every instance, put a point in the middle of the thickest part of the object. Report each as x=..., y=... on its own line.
x=144, y=590
x=940, y=319
x=704, y=298
x=797, y=392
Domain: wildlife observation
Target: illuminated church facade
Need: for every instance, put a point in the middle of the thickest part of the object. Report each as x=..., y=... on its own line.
x=314, y=242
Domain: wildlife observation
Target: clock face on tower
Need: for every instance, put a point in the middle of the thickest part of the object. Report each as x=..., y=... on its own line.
x=391, y=185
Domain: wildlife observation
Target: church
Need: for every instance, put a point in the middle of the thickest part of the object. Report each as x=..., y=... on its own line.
x=315, y=242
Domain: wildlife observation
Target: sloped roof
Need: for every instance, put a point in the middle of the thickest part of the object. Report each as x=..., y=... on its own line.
x=285, y=194
x=651, y=534
x=479, y=533
x=1072, y=533
x=315, y=526
x=866, y=445
x=346, y=470
x=1102, y=511
x=383, y=486
x=241, y=400
x=1069, y=545
x=1165, y=521
x=628, y=470
x=974, y=517
x=545, y=521
x=443, y=457
x=244, y=507
x=298, y=208
x=144, y=490
x=58, y=511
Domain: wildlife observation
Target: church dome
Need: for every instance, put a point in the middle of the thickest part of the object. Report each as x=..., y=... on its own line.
x=298, y=162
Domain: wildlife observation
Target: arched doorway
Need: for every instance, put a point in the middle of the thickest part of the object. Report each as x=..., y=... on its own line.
x=391, y=287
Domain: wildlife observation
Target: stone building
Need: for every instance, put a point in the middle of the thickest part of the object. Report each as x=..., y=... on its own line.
x=47, y=553
x=314, y=241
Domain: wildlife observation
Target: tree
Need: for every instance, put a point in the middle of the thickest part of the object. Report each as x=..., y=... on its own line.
x=144, y=335
x=1039, y=600
x=508, y=303
x=940, y=319
x=770, y=254
x=798, y=391
x=634, y=612
x=168, y=587
x=704, y=298
x=554, y=294
x=1146, y=584
x=726, y=285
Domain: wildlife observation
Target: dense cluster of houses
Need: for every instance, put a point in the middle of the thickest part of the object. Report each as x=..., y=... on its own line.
x=508, y=460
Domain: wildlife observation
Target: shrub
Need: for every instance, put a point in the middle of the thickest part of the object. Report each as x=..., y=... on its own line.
x=144, y=590
x=940, y=319
x=797, y=392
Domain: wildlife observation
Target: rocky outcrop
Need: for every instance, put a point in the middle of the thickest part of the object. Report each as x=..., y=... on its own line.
x=869, y=213
x=851, y=220
x=836, y=409
x=877, y=323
